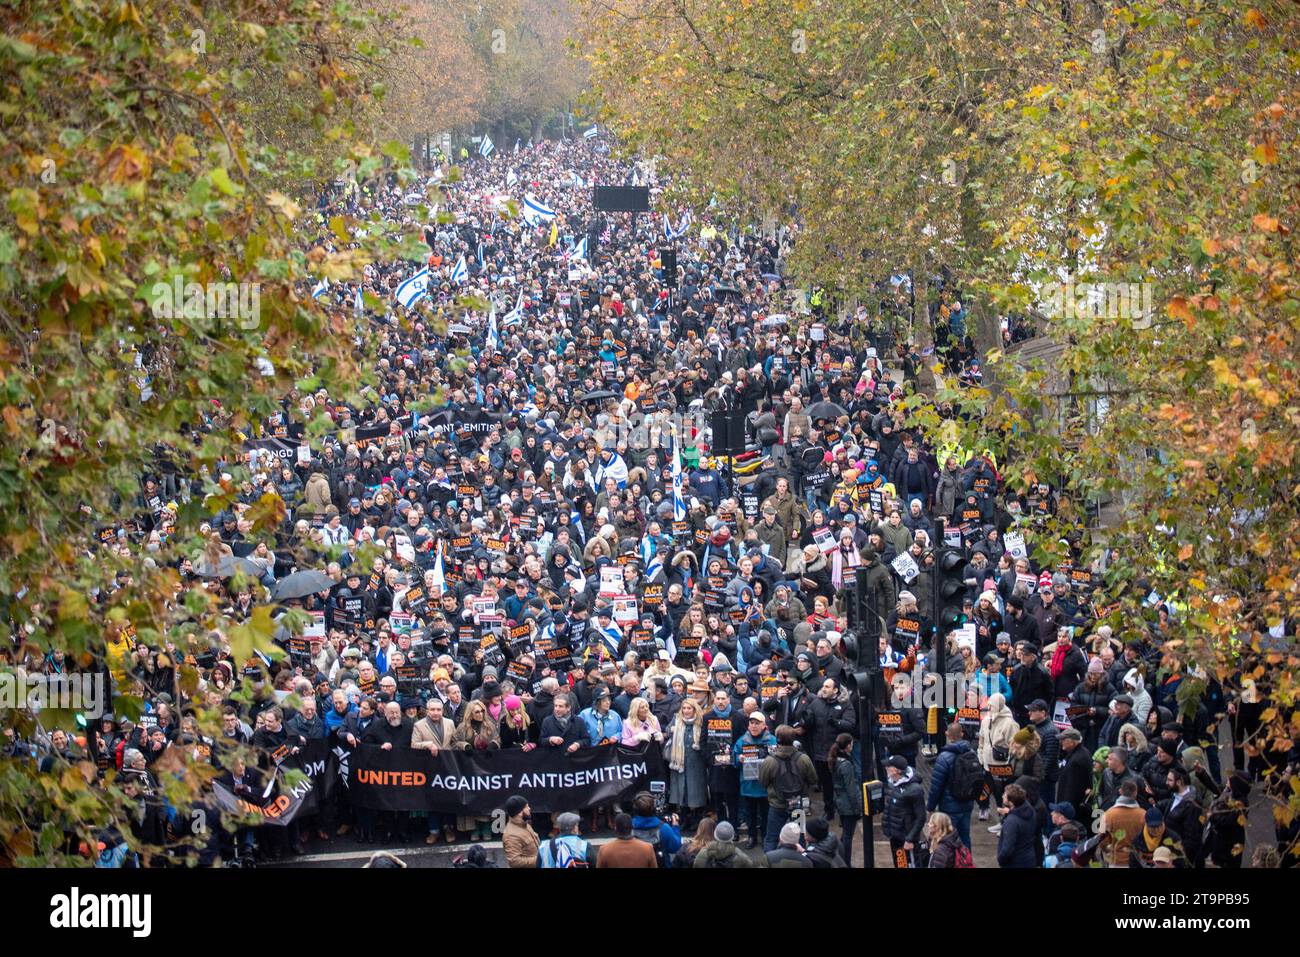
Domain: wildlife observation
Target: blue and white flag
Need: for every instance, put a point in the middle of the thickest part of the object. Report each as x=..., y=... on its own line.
x=439, y=576
x=515, y=315
x=485, y=146
x=359, y=303
x=480, y=254
x=654, y=570
x=615, y=468
x=683, y=224
x=592, y=133
x=414, y=288
x=318, y=290
x=535, y=211
x=577, y=250
x=679, y=503
x=516, y=146
x=530, y=142
x=511, y=176
x=461, y=271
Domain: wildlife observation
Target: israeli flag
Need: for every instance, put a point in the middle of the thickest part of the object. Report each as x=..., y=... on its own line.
x=516, y=146
x=439, y=576
x=318, y=290
x=611, y=637
x=683, y=224
x=515, y=315
x=535, y=212
x=461, y=271
x=485, y=146
x=480, y=254
x=577, y=250
x=511, y=176
x=413, y=289
x=654, y=570
x=679, y=503
x=615, y=468
x=359, y=303
x=592, y=133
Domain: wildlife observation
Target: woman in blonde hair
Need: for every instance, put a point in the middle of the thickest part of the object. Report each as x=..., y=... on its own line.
x=1132, y=737
x=946, y=847
x=688, y=784
x=640, y=725
x=477, y=732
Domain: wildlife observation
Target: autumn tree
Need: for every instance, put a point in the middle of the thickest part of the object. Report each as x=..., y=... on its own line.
x=1033, y=149
x=138, y=151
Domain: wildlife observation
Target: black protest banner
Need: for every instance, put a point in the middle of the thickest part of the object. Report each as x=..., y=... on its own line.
x=318, y=771
x=478, y=782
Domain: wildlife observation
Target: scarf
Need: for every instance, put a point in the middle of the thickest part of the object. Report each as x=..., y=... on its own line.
x=677, y=747
x=1058, y=658
x=838, y=564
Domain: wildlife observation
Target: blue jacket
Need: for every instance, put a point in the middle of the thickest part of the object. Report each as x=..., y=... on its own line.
x=670, y=838
x=750, y=787
x=610, y=727
x=989, y=685
x=941, y=798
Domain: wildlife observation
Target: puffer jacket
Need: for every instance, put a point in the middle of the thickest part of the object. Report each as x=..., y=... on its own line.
x=1016, y=843
x=904, y=814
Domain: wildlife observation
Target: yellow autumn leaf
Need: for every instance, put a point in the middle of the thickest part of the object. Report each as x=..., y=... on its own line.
x=1265, y=223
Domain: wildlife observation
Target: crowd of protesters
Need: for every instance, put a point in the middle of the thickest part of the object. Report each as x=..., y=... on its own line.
x=509, y=567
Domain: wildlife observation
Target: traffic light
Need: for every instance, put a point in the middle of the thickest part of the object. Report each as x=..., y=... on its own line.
x=949, y=588
x=668, y=257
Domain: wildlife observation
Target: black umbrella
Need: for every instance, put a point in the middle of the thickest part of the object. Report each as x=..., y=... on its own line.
x=226, y=567
x=301, y=584
x=599, y=394
x=826, y=410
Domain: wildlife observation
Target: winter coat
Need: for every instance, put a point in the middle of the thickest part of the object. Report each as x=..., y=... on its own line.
x=1027, y=684
x=1050, y=749
x=904, y=814
x=424, y=734
x=520, y=842
x=997, y=728
x=1074, y=777
x=878, y=587
x=848, y=788
x=1019, y=842
x=722, y=854
x=944, y=854
x=941, y=797
x=690, y=786
x=750, y=786
x=825, y=720
x=771, y=766
x=825, y=854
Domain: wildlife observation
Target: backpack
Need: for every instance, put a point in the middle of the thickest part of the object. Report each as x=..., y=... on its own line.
x=723, y=862
x=961, y=857
x=789, y=783
x=651, y=837
x=966, y=779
